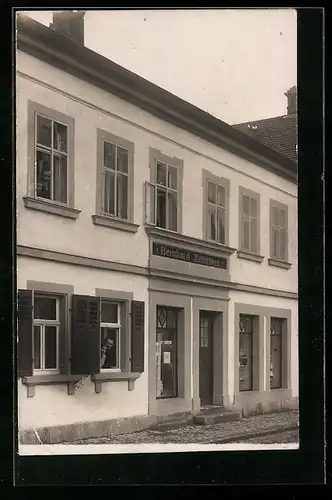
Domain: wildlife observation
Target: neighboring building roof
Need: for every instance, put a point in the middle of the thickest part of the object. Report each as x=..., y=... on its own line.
x=61, y=52
x=279, y=133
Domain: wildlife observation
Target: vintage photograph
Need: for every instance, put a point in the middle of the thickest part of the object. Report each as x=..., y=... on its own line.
x=157, y=230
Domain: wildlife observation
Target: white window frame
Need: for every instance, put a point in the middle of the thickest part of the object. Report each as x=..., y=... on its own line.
x=42, y=323
x=118, y=327
x=152, y=186
x=51, y=150
x=243, y=192
x=276, y=228
x=216, y=206
x=106, y=169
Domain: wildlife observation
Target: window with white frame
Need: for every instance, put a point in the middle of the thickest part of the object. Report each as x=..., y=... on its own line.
x=278, y=231
x=166, y=199
x=46, y=326
x=110, y=335
x=249, y=221
x=164, y=192
x=216, y=212
x=51, y=159
x=115, y=181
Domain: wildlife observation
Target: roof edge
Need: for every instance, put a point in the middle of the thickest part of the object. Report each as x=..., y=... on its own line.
x=59, y=51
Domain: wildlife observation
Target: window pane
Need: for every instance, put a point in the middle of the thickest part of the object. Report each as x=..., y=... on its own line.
x=36, y=347
x=274, y=216
x=122, y=196
x=221, y=196
x=60, y=137
x=253, y=236
x=44, y=307
x=282, y=242
x=253, y=207
x=221, y=225
x=60, y=178
x=245, y=371
x=212, y=192
x=172, y=177
x=109, y=193
x=44, y=131
x=161, y=173
x=275, y=362
x=109, y=155
x=172, y=211
x=212, y=223
x=122, y=161
x=282, y=219
x=275, y=240
x=109, y=312
x=161, y=208
x=245, y=205
x=44, y=175
x=50, y=347
x=245, y=229
x=109, y=348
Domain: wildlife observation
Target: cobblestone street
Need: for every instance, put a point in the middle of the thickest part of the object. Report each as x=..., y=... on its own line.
x=240, y=431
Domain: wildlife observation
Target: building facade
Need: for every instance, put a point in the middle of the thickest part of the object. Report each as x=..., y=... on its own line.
x=156, y=252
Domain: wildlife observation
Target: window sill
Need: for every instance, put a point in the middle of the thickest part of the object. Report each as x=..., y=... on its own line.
x=99, y=378
x=34, y=380
x=279, y=263
x=123, y=225
x=51, y=208
x=254, y=257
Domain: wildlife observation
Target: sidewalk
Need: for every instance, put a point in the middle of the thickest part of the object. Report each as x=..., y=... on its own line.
x=249, y=427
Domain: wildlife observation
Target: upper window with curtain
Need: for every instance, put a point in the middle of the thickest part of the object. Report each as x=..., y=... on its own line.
x=51, y=151
x=249, y=221
x=215, y=208
x=115, y=182
x=163, y=195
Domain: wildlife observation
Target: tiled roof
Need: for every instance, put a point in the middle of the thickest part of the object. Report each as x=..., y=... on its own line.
x=278, y=133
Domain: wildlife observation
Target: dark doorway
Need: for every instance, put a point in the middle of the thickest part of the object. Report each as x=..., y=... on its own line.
x=166, y=352
x=206, y=321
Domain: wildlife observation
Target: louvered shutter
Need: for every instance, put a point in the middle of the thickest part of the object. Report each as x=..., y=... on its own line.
x=24, y=323
x=137, y=336
x=85, y=335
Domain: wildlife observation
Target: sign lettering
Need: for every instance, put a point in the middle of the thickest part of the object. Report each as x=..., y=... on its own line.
x=188, y=256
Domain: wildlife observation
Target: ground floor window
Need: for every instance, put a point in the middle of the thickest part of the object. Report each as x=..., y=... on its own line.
x=246, y=326
x=276, y=341
x=110, y=335
x=45, y=340
x=166, y=352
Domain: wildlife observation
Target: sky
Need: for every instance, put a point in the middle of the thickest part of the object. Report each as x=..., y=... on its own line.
x=235, y=64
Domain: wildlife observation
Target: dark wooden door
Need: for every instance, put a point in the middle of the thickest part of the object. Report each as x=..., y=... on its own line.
x=206, y=358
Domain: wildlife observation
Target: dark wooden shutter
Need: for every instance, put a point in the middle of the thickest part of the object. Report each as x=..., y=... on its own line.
x=137, y=336
x=85, y=335
x=24, y=323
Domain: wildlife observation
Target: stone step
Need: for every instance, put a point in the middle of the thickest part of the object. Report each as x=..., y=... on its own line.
x=208, y=416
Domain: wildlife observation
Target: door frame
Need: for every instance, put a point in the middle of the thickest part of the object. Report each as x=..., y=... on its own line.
x=220, y=349
x=211, y=315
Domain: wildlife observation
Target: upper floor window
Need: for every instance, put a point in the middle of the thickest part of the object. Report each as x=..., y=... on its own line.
x=278, y=231
x=51, y=151
x=115, y=182
x=215, y=208
x=51, y=159
x=164, y=192
x=249, y=221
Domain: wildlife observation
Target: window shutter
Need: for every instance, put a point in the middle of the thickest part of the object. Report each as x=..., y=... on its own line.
x=85, y=336
x=24, y=322
x=137, y=337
